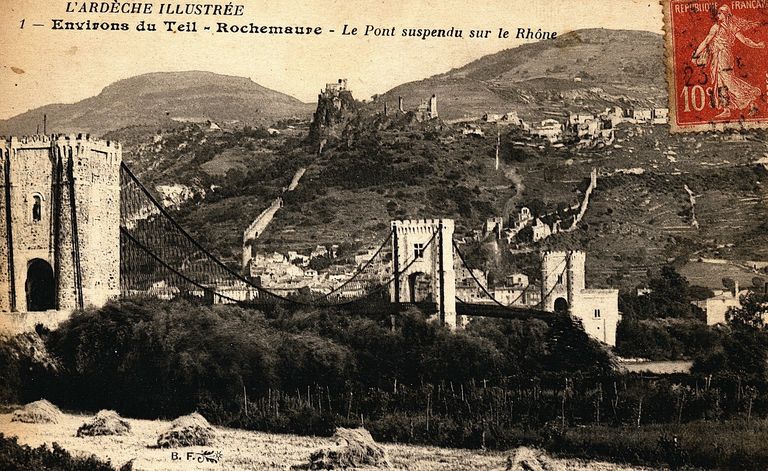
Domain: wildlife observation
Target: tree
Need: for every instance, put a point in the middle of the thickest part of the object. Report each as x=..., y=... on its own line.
x=670, y=285
x=759, y=284
x=728, y=283
x=753, y=311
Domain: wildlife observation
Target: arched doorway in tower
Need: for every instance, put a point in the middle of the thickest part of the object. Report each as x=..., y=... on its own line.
x=420, y=287
x=561, y=305
x=40, y=286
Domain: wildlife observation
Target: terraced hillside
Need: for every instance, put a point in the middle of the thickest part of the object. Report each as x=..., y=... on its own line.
x=591, y=68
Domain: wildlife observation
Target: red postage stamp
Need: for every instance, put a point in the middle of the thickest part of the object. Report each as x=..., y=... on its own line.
x=717, y=64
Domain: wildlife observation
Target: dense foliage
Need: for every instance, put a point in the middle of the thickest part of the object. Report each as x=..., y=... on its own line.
x=497, y=384
x=670, y=296
x=664, y=323
x=15, y=457
x=167, y=358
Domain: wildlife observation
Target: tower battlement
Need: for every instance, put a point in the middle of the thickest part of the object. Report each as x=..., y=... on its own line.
x=73, y=140
x=422, y=225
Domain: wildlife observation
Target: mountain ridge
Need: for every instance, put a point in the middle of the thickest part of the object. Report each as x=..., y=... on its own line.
x=582, y=69
x=156, y=97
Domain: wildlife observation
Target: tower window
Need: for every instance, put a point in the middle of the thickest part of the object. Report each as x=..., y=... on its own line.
x=37, y=208
x=418, y=250
x=597, y=313
x=560, y=279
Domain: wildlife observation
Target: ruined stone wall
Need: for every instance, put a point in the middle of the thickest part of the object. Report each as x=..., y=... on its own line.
x=76, y=231
x=257, y=227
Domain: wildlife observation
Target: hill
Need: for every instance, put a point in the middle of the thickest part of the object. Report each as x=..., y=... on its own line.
x=584, y=69
x=376, y=168
x=155, y=98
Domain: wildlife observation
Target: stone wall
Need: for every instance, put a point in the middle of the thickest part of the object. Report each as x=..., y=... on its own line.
x=76, y=230
x=257, y=227
x=14, y=323
x=408, y=233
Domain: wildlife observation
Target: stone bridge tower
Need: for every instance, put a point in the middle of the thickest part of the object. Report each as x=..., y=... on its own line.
x=59, y=223
x=427, y=268
x=563, y=279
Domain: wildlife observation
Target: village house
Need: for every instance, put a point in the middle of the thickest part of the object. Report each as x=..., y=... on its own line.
x=297, y=258
x=641, y=115
x=507, y=119
x=319, y=251
x=517, y=279
x=466, y=287
x=268, y=268
x=516, y=224
x=528, y=296
x=542, y=229
x=614, y=116
x=718, y=305
x=575, y=119
x=472, y=130
x=549, y=129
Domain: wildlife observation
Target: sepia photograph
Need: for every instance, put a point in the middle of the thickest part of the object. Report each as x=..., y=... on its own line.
x=399, y=235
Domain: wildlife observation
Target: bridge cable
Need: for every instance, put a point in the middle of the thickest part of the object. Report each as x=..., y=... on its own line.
x=490, y=296
x=483, y=288
x=391, y=279
x=360, y=270
x=226, y=268
x=176, y=272
x=203, y=249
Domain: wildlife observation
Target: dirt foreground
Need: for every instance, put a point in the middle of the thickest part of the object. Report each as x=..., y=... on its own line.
x=240, y=449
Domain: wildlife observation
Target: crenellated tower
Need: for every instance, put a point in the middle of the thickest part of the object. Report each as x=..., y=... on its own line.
x=423, y=255
x=59, y=223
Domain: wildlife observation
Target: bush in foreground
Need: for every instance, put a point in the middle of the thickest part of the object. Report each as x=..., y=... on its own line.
x=16, y=457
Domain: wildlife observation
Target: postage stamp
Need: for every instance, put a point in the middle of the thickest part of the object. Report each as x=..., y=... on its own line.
x=717, y=64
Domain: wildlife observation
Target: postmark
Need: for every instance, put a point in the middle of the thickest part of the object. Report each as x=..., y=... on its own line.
x=717, y=64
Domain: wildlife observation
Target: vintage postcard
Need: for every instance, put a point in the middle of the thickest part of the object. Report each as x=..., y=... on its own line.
x=407, y=234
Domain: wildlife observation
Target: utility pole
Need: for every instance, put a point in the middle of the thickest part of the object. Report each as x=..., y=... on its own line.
x=441, y=267
x=498, y=143
x=396, y=265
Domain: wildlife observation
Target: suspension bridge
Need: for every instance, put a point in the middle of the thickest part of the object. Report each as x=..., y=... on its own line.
x=81, y=228
x=155, y=259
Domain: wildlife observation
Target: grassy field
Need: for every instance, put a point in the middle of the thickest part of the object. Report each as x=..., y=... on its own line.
x=256, y=450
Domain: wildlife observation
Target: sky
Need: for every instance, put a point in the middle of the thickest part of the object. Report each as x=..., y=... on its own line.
x=39, y=65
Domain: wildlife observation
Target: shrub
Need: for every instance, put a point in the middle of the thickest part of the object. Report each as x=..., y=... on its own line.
x=16, y=457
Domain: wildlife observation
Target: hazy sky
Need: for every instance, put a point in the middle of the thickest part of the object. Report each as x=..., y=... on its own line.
x=42, y=66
